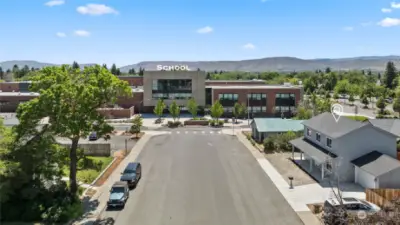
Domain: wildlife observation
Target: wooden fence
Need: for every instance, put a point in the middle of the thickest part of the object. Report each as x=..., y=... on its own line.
x=382, y=197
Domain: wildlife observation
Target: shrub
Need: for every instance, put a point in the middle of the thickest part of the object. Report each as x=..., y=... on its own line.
x=158, y=121
x=212, y=123
x=269, y=144
x=87, y=176
x=220, y=122
x=174, y=124
x=199, y=118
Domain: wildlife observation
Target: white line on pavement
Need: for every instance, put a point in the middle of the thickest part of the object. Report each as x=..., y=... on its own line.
x=211, y=132
x=203, y=132
x=194, y=132
x=186, y=132
x=209, y=144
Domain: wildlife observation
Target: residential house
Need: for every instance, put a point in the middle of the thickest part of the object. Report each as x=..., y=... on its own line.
x=263, y=127
x=351, y=151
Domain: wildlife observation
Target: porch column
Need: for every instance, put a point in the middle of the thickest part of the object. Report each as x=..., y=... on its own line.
x=292, y=152
x=322, y=170
x=301, y=155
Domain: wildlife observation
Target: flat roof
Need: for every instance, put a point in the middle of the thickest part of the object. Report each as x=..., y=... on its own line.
x=5, y=94
x=253, y=87
x=278, y=125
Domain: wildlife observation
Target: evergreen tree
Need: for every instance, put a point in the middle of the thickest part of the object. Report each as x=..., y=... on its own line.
x=105, y=66
x=75, y=65
x=1, y=73
x=114, y=69
x=328, y=70
x=390, y=75
x=208, y=77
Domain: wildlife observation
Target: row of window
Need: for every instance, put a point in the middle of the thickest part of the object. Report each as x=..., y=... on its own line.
x=253, y=109
x=256, y=96
x=233, y=97
x=288, y=96
x=285, y=109
x=172, y=96
x=318, y=138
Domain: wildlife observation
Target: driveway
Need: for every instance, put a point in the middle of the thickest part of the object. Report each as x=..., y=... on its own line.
x=193, y=177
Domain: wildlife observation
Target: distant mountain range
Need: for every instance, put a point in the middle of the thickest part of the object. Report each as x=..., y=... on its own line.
x=282, y=64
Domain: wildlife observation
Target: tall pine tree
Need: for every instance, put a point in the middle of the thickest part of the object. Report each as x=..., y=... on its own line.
x=114, y=69
x=75, y=65
x=390, y=75
x=1, y=73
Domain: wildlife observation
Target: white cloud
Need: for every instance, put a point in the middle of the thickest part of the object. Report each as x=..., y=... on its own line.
x=348, y=28
x=54, y=3
x=82, y=33
x=61, y=34
x=96, y=10
x=205, y=30
x=386, y=10
x=389, y=22
x=395, y=5
x=249, y=46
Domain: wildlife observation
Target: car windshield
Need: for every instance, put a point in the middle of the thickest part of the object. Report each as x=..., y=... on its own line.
x=118, y=189
x=129, y=171
x=365, y=203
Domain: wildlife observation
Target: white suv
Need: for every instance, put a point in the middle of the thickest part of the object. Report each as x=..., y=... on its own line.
x=352, y=205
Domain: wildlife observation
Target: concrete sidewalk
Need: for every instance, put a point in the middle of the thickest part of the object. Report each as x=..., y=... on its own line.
x=97, y=204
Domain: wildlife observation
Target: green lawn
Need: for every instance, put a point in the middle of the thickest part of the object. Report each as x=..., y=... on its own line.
x=358, y=118
x=91, y=170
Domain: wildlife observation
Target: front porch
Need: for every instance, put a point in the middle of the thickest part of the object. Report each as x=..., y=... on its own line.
x=312, y=159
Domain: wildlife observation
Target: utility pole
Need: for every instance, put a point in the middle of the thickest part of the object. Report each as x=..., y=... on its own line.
x=233, y=125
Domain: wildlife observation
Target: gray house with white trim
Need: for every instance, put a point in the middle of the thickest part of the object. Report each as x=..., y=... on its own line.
x=351, y=151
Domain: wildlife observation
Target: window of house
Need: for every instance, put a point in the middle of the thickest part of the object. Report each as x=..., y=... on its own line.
x=308, y=132
x=329, y=142
x=318, y=136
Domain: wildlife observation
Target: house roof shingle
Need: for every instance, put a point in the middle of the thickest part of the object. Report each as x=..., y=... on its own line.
x=376, y=163
x=278, y=125
x=326, y=124
x=389, y=125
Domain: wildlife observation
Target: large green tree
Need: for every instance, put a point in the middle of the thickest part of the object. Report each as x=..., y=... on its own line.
x=70, y=99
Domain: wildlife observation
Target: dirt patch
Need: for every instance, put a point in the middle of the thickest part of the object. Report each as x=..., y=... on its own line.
x=90, y=192
x=108, y=171
x=282, y=163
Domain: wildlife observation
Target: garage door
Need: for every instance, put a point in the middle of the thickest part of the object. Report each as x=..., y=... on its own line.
x=364, y=179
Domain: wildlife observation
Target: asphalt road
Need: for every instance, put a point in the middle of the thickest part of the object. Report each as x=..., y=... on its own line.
x=202, y=179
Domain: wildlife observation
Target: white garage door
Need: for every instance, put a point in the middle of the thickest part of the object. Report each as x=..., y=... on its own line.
x=364, y=179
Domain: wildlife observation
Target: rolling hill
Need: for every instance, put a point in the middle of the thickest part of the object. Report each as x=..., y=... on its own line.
x=283, y=64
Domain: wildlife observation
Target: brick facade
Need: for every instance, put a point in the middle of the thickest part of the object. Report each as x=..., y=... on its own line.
x=234, y=82
x=9, y=86
x=270, y=92
x=132, y=80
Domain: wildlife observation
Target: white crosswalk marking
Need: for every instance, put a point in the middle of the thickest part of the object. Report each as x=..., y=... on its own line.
x=219, y=132
x=186, y=132
x=211, y=132
x=194, y=132
x=177, y=132
x=203, y=132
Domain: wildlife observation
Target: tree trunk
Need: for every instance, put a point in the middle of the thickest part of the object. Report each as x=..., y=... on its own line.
x=73, y=185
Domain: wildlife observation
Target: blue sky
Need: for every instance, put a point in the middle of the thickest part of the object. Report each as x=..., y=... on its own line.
x=129, y=31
